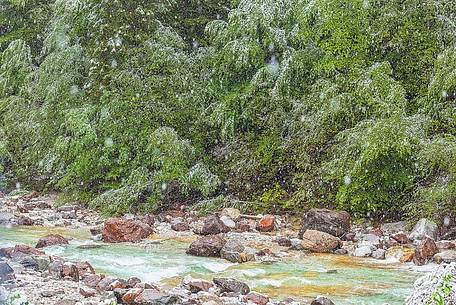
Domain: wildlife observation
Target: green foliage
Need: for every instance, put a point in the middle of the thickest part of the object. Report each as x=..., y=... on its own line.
x=137, y=105
x=441, y=292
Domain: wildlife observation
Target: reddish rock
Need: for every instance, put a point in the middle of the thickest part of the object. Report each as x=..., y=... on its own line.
x=445, y=244
x=180, y=226
x=117, y=284
x=332, y=222
x=425, y=251
x=30, y=196
x=242, y=226
x=125, y=230
x=208, y=246
x=266, y=224
x=51, y=240
x=256, y=298
x=148, y=219
x=400, y=237
x=22, y=209
x=130, y=296
x=20, y=250
x=199, y=285
x=84, y=268
x=87, y=293
x=69, y=270
x=213, y=225
x=320, y=242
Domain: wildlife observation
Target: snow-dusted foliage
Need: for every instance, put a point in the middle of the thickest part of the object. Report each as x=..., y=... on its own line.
x=135, y=105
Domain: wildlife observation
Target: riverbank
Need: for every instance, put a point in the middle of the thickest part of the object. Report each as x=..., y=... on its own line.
x=263, y=252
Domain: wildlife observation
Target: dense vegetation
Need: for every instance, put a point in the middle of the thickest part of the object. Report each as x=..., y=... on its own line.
x=135, y=105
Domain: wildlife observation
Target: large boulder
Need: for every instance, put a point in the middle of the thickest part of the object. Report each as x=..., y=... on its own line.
x=266, y=223
x=425, y=251
x=213, y=225
x=235, y=252
x=231, y=285
x=426, y=286
x=117, y=230
x=424, y=227
x=320, y=242
x=332, y=222
x=209, y=246
x=20, y=251
x=400, y=253
x=6, y=272
x=51, y=240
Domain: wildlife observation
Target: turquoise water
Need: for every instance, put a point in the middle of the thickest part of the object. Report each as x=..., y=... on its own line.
x=344, y=279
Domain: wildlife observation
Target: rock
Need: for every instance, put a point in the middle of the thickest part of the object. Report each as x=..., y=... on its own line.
x=21, y=250
x=51, y=293
x=103, y=284
x=197, y=285
x=450, y=234
x=243, y=226
x=6, y=272
x=256, y=298
x=87, y=292
x=117, y=284
x=51, y=240
x=25, y=221
x=84, y=268
x=3, y=294
x=235, y=252
x=29, y=262
x=152, y=297
x=376, y=231
x=148, y=219
x=132, y=282
x=92, y=280
x=400, y=253
x=66, y=302
x=232, y=285
x=296, y=244
x=213, y=225
x=125, y=230
x=180, y=226
x=69, y=270
x=393, y=227
x=5, y=218
x=56, y=268
x=283, y=241
x=446, y=256
x=425, y=287
x=370, y=240
x=341, y=251
x=209, y=246
x=232, y=213
x=68, y=208
x=322, y=301
x=379, y=254
x=424, y=227
x=69, y=215
x=363, y=251
x=130, y=296
x=320, y=242
x=266, y=224
x=328, y=221
x=96, y=230
x=425, y=251
x=445, y=244
x=401, y=237
x=228, y=222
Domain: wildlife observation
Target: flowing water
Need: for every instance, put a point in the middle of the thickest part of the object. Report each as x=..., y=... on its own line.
x=345, y=279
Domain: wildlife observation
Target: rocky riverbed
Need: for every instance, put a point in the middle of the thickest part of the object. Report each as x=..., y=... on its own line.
x=71, y=255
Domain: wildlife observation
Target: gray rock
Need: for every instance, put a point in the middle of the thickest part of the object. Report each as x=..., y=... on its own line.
x=235, y=252
x=6, y=272
x=393, y=227
x=5, y=218
x=232, y=285
x=425, y=287
x=446, y=256
x=363, y=251
x=379, y=254
x=3, y=295
x=152, y=297
x=322, y=301
x=424, y=227
x=228, y=222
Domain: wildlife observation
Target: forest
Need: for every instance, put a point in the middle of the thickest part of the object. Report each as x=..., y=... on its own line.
x=132, y=106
